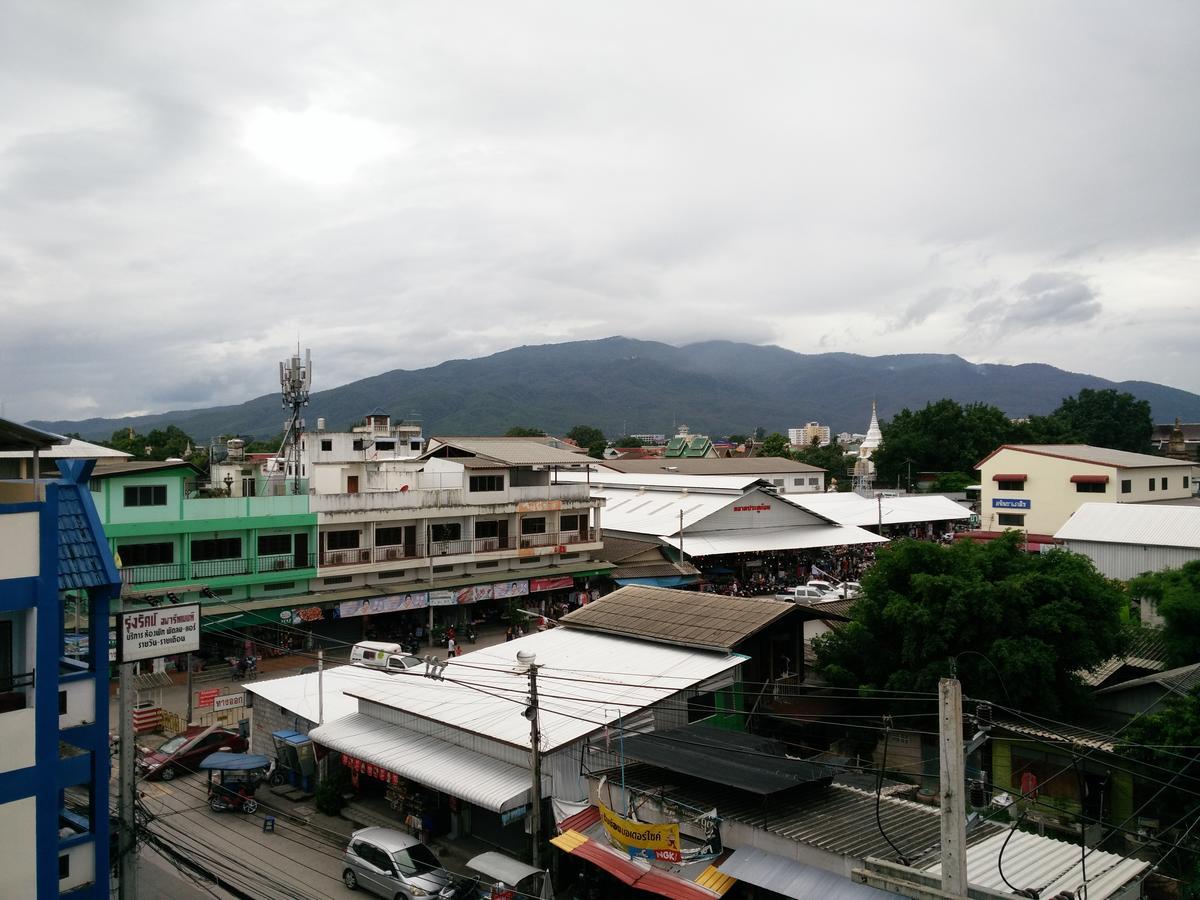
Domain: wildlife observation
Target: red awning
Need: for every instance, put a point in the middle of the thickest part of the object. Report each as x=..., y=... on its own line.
x=1010, y=478
x=1089, y=479
x=581, y=821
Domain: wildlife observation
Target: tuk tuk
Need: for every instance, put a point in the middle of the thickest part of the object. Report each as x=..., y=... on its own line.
x=232, y=780
x=505, y=878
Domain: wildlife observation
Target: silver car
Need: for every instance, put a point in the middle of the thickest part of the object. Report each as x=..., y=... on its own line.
x=393, y=864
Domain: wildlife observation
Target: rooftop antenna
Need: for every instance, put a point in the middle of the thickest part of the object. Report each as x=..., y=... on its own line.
x=295, y=379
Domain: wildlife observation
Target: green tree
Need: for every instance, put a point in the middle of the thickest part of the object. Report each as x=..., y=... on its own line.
x=264, y=445
x=1107, y=418
x=628, y=440
x=590, y=437
x=1038, y=618
x=1168, y=738
x=952, y=482
x=775, y=444
x=943, y=437
x=736, y=439
x=832, y=458
x=524, y=431
x=1176, y=593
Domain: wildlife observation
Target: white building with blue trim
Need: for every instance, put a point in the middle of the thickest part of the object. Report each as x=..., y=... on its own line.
x=54, y=746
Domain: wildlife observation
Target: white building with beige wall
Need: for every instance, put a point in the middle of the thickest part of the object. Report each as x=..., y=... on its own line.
x=1036, y=487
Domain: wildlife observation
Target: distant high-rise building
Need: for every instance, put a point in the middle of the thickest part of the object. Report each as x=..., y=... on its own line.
x=807, y=433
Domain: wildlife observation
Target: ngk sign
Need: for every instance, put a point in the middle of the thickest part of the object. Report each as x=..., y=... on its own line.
x=151, y=633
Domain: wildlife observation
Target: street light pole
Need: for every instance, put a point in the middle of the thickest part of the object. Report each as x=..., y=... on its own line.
x=127, y=846
x=527, y=659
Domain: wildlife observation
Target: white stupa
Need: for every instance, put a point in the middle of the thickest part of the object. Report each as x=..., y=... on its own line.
x=874, y=436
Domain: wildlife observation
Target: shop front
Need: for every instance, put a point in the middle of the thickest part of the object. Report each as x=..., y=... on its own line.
x=431, y=787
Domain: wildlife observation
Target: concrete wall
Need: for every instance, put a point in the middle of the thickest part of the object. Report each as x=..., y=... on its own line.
x=17, y=740
x=19, y=538
x=18, y=844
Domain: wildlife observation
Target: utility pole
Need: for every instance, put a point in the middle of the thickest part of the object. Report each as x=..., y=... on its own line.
x=526, y=659
x=189, y=690
x=321, y=686
x=127, y=846
x=953, y=788
x=681, y=537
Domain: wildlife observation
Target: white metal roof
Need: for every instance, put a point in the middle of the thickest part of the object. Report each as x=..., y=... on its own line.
x=657, y=512
x=1049, y=865
x=1134, y=523
x=476, y=778
x=852, y=509
x=794, y=879
x=584, y=680
x=72, y=448
x=761, y=540
x=1103, y=456
x=298, y=693
x=666, y=481
x=511, y=451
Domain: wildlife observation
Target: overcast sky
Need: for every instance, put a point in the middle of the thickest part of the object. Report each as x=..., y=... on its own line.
x=186, y=189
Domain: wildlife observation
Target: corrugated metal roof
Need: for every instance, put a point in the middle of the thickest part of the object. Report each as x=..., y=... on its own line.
x=851, y=509
x=687, y=618
x=476, y=778
x=512, y=451
x=657, y=512
x=1134, y=523
x=794, y=879
x=601, y=675
x=759, y=465
x=665, y=481
x=1181, y=680
x=751, y=540
x=1103, y=456
x=299, y=693
x=1147, y=651
x=839, y=818
x=1050, y=866
x=1065, y=735
x=72, y=449
x=84, y=559
x=23, y=438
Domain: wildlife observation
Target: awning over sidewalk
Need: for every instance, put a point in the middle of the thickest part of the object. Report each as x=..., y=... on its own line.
x=438, y=764
x=794, y=879
x=710, y=883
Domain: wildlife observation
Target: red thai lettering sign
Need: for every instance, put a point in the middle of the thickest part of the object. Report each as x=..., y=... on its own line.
x=207, y=696
x=761, y=507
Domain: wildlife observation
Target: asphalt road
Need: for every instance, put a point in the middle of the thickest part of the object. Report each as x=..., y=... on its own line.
x=294, y=861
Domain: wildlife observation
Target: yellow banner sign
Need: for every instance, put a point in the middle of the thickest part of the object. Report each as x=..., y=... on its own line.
x=642, y=840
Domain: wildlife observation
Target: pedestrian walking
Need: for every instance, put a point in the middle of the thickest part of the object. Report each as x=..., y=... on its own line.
x=451, y=647
x=508, y=635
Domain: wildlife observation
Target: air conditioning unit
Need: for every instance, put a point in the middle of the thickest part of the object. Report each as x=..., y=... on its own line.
x=364, y=556
x=393, y=553
x=281, y=564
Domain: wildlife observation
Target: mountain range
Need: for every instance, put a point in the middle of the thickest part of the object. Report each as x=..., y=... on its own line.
x=622, y=385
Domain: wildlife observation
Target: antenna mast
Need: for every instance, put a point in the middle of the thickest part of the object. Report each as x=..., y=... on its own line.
x=295, y=379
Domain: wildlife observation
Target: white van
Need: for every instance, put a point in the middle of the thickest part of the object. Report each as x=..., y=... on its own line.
x=382, y=655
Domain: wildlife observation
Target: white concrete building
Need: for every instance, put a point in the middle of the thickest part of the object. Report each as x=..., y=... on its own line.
x=1036, y=487
x=468, y=511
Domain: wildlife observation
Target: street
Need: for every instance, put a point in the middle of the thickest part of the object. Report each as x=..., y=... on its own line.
x=294, y=861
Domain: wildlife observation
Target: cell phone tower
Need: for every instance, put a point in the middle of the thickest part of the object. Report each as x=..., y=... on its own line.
x=295, y=379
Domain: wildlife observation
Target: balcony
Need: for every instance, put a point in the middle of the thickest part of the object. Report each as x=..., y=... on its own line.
x=430, y=492
x=14, y=691
x=215, y=568
x=466, y=547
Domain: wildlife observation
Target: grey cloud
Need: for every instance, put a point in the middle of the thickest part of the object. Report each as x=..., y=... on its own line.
x=1043, y=300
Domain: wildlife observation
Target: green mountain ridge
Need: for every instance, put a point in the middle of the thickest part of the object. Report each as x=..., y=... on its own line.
x=619, y=384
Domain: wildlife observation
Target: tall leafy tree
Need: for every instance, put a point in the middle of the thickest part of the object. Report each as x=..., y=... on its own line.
x=627, y=440
x=943, y=437
x=832, y=458
x=776, y=444
x=1177, y=595
x=591, y=437
x=1037, y=618
x=524, y=431
x=1107, y=418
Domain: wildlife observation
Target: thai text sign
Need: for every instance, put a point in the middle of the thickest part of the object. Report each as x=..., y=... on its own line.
x=641, y=840
x=229, y=701
x=1007, y=503
x=207, y=696
x=151, y=633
